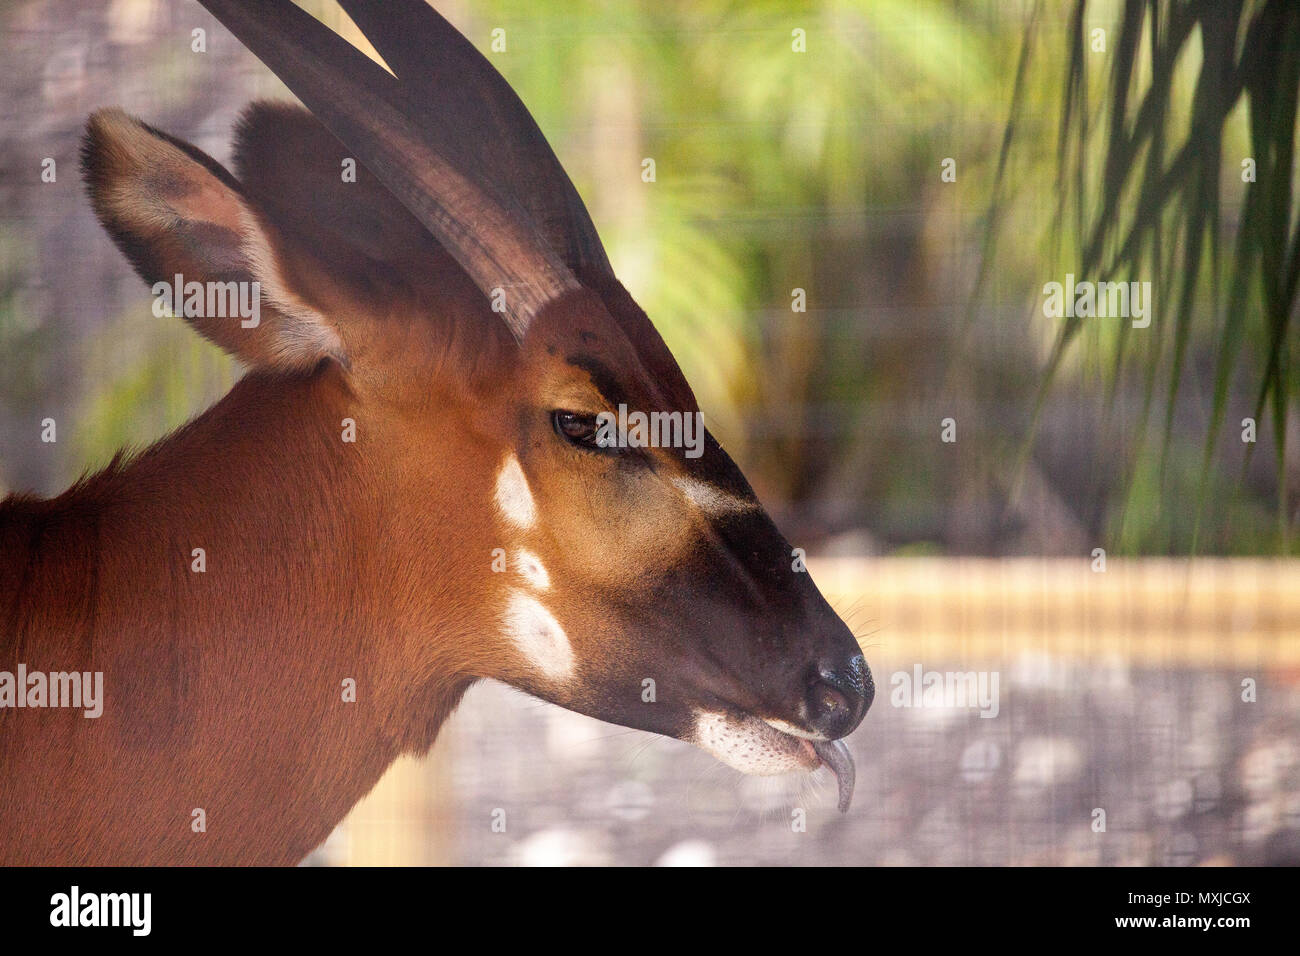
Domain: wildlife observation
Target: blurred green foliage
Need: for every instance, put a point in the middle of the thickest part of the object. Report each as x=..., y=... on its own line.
x=818, y=168
x=1178, y=140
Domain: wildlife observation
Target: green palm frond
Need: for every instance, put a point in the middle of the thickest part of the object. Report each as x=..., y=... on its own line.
x=1144, y=190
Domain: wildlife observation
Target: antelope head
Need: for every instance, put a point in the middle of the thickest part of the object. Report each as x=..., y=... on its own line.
x=455, y=300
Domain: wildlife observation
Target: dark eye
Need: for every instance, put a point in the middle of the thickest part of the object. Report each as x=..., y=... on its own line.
x=576, y=428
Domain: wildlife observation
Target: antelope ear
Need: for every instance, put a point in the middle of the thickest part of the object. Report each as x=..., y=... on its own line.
x=176, y=212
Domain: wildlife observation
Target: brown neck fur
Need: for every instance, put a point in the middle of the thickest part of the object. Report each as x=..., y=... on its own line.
x=224, y=689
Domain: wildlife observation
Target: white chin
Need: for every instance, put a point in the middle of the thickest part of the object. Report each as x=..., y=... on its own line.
x=750, y=745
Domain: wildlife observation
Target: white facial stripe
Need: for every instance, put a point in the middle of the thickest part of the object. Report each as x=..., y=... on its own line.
x=514, y=500
x=538, y=636
x=749, y=746
x=711, y=500
x=532, y=570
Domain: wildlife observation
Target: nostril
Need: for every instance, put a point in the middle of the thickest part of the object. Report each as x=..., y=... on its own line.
x=853, y=678
x=838, y=696
x=828, y=702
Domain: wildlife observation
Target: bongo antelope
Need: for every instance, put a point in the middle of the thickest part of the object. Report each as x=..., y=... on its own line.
x=453, y=311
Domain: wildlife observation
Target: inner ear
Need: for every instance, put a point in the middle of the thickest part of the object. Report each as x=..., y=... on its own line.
x=176, y=212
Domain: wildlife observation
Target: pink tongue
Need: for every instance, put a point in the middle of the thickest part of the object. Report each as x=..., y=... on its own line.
x=835, y=755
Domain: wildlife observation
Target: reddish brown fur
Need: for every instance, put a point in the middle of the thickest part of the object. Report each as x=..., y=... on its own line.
x=328, y=560
x=224, y=688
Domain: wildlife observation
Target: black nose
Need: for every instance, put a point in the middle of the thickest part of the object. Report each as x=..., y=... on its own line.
x=839, y=695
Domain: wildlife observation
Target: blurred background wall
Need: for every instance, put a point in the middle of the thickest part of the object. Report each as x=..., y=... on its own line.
x=832, y=297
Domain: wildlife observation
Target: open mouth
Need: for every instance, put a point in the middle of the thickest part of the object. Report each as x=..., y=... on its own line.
x=754, y=746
